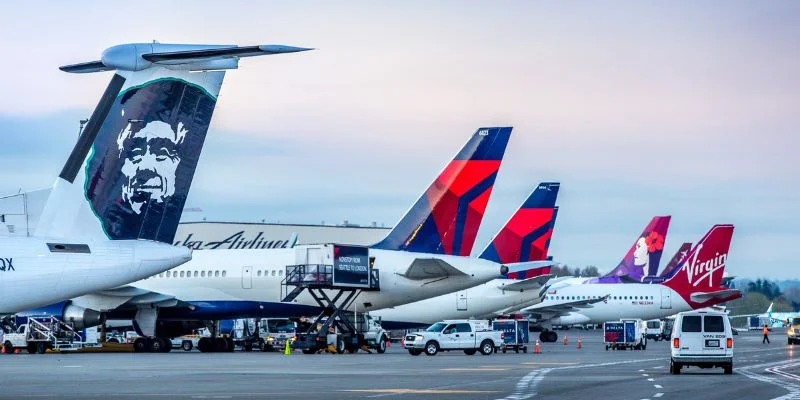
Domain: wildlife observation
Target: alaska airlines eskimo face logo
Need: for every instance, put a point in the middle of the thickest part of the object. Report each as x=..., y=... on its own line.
x=150, y=163
x=144, y=158
x=699, y=272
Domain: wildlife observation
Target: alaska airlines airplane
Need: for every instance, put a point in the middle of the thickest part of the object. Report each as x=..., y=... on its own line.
x=779, y=319
x=524, y=238
x=697, y=284
x=123, y=187
x=414, y=262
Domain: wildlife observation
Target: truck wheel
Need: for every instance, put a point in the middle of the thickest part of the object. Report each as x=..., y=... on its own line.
x=431, y=348
x=41, y=348
x=487, y=347
x=187, y=345
x=341, y=347
x=31, y=347
x=728, y=369
x=525, y=349
x=8, y=347
x=248, y=346
x=470, y=352
x=381, y=345
x=674, y=368
x=414, y=352
x=155, y=345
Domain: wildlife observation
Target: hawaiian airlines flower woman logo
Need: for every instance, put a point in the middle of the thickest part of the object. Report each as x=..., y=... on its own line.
x=646, y=247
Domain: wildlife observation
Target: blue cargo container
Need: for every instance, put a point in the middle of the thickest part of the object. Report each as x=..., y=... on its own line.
x=515, y=333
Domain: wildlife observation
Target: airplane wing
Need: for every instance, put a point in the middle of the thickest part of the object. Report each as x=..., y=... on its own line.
x=555, y=310
x=700, y=297
x=527, y=284
x=125, y=297
x=430, y=268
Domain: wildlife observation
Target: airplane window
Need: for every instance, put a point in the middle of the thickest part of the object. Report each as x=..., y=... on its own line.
x=202, y=274
x=216, y=274
x=258, y=273
x=195, y=274
x=615, y=297
x=161, y=275
x=224, y=273
x=181, y=274
x=273, y=272
x=209, y=274
x=280, y=272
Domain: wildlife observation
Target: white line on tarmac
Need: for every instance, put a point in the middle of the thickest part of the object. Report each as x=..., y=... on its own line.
x=658, y=394
x=658, y=386
x=526, y=387
x=645, y=375
x=775, y=368
x=651, y=379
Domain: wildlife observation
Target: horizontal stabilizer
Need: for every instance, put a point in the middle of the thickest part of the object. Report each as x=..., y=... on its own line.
x=700, y=297
x=191, y=57
x=430, y=268
x=527, y=284
x=528, y=265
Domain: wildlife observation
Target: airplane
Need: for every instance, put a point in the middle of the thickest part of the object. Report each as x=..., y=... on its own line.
x=117, y=196
x=779, y=319
x=672, y=266
x=413, y=261
x=697, y=284
x=524, y=238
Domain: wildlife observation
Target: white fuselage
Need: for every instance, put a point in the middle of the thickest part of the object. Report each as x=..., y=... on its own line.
x=38, y=271
x=256, y=276
x=483, y=301
x=625, y=300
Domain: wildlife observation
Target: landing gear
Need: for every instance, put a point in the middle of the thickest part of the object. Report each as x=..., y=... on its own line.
x=548, y=337
x=152, y=345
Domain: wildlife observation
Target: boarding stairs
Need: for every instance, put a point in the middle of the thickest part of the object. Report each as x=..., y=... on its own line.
x=60, y=334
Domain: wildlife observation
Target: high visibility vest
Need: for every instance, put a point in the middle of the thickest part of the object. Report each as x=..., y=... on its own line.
x=766, y=330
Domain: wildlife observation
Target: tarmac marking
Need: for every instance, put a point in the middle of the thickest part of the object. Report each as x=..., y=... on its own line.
x=72, y=366
x=420, y=391
x=526, y=387
x=658, y=386
x=476, y=369
x=645, y=375
x=549, y=363
x=650, y=379
x=658, y=394
x=776, y=368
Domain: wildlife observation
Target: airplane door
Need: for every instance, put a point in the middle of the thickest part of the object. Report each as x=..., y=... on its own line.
x=247, y=277
x=666, y=299
x=461, y=301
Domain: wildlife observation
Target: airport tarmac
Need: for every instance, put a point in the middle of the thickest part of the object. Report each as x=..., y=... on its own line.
x=560, y=372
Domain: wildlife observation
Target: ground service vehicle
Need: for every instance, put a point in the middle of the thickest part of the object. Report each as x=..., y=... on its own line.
x=40, y=334
x=515, y=333
x=467, y=335
x=625, y=334
x=276, y=331
x=654, y=330
x=794, y=331
x=703, y=339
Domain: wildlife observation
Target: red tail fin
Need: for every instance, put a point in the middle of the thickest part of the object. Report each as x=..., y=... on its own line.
x=702, y=270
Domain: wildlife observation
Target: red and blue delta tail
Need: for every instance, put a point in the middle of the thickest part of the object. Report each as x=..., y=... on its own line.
x=644, y=256
x=526, y=235
x=446, y=218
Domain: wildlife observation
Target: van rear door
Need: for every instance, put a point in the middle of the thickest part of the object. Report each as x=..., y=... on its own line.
x=691, y=334
x=714, y=335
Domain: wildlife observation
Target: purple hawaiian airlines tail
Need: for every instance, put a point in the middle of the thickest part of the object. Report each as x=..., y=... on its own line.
x=644, y=256
x=445, y=220
x=526, y=235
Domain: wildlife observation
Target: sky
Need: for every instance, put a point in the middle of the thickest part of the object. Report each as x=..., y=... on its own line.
x=683, y=108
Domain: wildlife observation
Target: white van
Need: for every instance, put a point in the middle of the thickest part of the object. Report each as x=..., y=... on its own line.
x=703, y=339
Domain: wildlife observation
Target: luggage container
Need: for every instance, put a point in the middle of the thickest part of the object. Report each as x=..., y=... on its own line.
x=624, y=335
x=515, y=333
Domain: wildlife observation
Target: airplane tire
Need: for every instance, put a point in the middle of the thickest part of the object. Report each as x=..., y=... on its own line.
x=205, y=345
x=140, y=345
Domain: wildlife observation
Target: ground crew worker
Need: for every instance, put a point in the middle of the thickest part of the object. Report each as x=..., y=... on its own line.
x=766, y=335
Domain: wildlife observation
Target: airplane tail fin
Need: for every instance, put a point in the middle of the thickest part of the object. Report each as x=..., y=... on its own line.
x=679, y=256
x=699, y=278
x=644, y=256
x=446, y=218
x=130, y=171
x=526, y=235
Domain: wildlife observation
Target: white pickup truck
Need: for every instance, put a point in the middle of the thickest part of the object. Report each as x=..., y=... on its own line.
x=467, y=335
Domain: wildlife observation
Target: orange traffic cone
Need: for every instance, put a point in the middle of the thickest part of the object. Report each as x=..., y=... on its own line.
x=3, y=351
x=565, y=339
x=579, y=343
x=537, y=349
x=17, y=351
